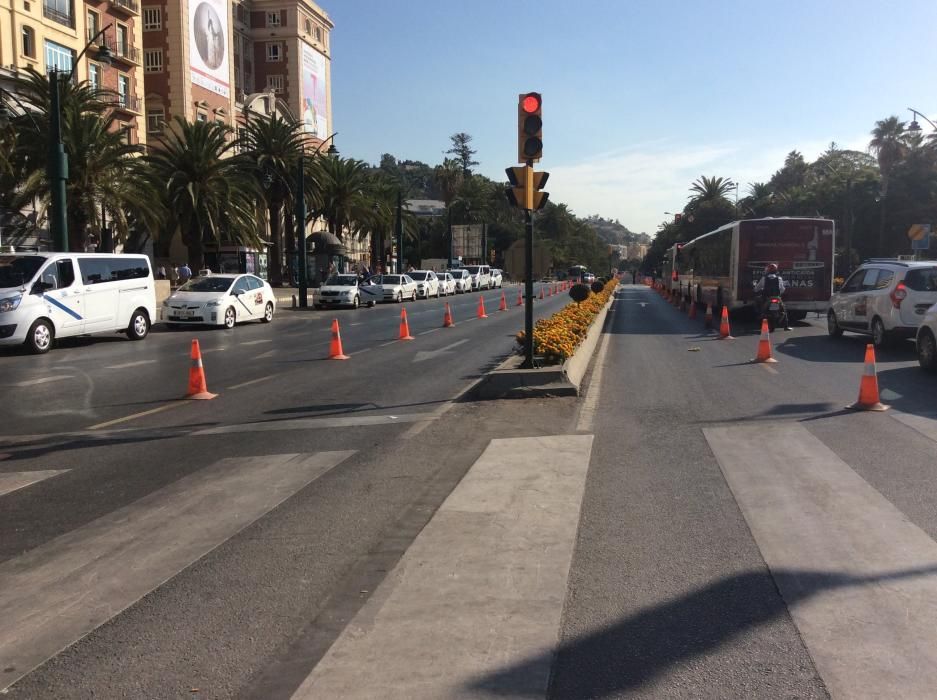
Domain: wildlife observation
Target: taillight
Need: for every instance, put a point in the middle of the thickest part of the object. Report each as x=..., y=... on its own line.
x=899, y=295
x=775, y=301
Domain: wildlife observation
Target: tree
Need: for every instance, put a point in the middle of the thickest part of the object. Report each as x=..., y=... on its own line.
x=710, y=189
x=758, y=202
x=889, y=146
x=343, y=193
x=210, y=195
x=463, y=152
x=448, y=177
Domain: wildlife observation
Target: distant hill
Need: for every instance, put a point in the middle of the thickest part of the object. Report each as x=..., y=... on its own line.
x=615, y=232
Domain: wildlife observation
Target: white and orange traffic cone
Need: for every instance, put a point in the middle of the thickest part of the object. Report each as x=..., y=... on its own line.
x=481, y=307
x=520, y=298
x=447, y=321
x=868, y=387
x=724, y=333
x=692, y=313
x=504, y=303
x=541, y=293
x=404, y=326
x=708, y=319
x=764, y=344
x=198, y=387
x=335, y=347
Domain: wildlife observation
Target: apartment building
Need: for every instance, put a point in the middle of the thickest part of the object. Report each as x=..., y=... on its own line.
x=52, y=34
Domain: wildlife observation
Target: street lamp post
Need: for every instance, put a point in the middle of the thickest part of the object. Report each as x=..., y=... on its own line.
x=914, y=126
x=399, y=231
x=301, y=218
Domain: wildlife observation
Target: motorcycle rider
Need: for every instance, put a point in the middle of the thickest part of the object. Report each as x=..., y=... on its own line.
x=771, y=286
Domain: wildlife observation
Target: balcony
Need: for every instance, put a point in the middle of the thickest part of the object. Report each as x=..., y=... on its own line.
x=55, y=15
x=128, y=104
x=130, y=7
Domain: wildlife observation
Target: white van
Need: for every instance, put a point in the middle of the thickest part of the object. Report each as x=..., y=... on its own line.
x=44, y=296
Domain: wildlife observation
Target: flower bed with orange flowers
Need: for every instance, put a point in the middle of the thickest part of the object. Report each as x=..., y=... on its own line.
x=557, y=337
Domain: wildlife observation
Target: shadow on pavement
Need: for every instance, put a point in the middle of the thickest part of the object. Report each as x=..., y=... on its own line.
x=645, y=645
x=849, y=348
x=909, y=390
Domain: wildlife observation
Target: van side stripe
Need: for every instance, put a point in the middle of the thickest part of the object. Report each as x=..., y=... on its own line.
x=62, y=306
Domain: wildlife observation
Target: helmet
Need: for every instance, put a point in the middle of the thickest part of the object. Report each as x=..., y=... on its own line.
x=771, y=268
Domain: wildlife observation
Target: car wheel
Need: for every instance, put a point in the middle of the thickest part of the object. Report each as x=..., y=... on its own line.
x=230, y=317
x=399, y=297
x=356, y=302
x=268, y=312
x=40, y=337
x=832, y=326
x=139, y=326
x=879, y=334
x=413, y=296
x=927, y=350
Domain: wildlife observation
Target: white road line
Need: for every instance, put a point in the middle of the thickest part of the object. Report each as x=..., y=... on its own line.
x=480, y=589
x=313, y=423
x=859, y=578
x=431, y=330
x=264, y=356
x=361, y=352
x=591, y=402
x=56, y=593
x=125, y=365
x=134, y=416
x=42, y=380
x=12, y=481
x=768, y=368
x=257, y=342
x=390, y=342
x=252, y=381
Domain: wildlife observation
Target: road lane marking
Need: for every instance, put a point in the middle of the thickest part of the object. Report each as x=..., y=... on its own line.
x=384, y=345
x=252, y=381
x=58, y=592
x=134, y=416
x=264, y=356
x=42, y=380
x=423, y=355
x=13, y=481
x=256, y=342
x=591, y=403
x=767, y=368
x=859, y=578
x=313, y=423
x=125, y=365
x=481, y=588
x=431, y=330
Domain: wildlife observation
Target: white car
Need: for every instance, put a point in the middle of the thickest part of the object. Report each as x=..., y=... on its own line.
x=446, y=283
x=395, y=287
x=220, y=300
x=481, y=276
x=462, y=279
x=497, y=280
x=885, y=299
x=927, y=340
x=346, y=290
x=427, y=283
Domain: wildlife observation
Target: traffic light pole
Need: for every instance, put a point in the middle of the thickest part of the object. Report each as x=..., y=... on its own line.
x=57, y=170
x=529, y=289
x=301, y=233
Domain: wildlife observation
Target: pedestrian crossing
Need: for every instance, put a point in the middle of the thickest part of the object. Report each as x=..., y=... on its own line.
x=13, y=481
x=55, y=594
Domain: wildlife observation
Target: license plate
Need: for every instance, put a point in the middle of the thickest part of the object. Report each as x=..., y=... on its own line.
x=773, y=307
x=185, y=313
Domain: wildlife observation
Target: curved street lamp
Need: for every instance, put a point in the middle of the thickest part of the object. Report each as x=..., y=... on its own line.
x=914, y=126
x=332, y=152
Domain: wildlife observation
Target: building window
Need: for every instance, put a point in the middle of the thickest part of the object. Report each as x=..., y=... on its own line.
x=94, y=24
x=155, y=118
x=273, y=19
x=152, y=19
x=123, y=40
x=59, y=11
x=275, y=83
x=308, y=26
x=153, y=61
x=95, y=73
x=274, y=51
x=318, y=33
x=201, y=116
x=29, y=42
x=58, y=57
x=124, y=98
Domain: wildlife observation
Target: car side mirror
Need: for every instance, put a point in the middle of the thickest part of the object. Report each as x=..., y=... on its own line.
x=41, y=287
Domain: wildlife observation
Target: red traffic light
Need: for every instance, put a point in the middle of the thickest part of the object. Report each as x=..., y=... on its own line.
x=531, y=103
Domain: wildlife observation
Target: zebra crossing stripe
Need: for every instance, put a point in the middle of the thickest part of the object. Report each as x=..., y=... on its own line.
x=55, y=594
x=12, y=481
x=858, y=577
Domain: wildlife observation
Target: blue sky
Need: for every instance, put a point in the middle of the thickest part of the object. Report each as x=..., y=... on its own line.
x=640, y=98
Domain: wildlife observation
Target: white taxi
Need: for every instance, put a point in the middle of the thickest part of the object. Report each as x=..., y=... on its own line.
x=427, y=283
x=395, y=287
x=220, y=300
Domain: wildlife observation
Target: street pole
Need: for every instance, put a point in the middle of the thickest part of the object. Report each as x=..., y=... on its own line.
x=399, y=231
x=529, y=289
x=301, y=232
x=449, y=227
x=58, y=170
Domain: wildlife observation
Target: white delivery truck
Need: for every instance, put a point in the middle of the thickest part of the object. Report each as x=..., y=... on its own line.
x=44, y=296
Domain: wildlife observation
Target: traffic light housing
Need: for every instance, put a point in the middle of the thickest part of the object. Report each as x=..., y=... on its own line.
x=529, y=127
x=526, y=183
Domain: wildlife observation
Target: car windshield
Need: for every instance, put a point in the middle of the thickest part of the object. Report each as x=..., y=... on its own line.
x=391, y=279
x=419, y=275
x=342, y=281
x=472, y=269
x=16, y=271
x=207, y=284
x=922, y=279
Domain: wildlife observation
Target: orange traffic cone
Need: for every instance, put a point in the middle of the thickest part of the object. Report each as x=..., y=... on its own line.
x=447, y=321
x=692, y=314
x=504, y=303
x=868, y=387
x=724, y=333
x=541, y=293
x=335, y=347
x=520, y=298
x=764, y=344
x=708, y=319
x=198, y=387
x=404, y=326
x=481, y=307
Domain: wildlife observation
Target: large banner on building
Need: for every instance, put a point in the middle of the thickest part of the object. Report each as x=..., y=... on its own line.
x=467, y=242
x=315, y=113
x=208, y=45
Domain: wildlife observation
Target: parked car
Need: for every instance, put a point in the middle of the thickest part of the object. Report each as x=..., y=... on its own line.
x=220, y=300
x=885, y=299
x=462, y=279
x=396, y=287
x=346, y=290
x=481, y=276
x=497, y=280
x=588, y=278
x=427, y=283
x=446, y=283
x=44, y=296
x=927, y=340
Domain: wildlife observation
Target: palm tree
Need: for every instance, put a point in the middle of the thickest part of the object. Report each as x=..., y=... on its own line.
x=890, y=147
x=209, y=194
x=710, y=189
x=273, y=146
x=342, y=193
x=448, y=177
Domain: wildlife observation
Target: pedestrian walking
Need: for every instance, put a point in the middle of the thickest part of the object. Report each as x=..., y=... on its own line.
x=185, y=273
x=161, y=272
